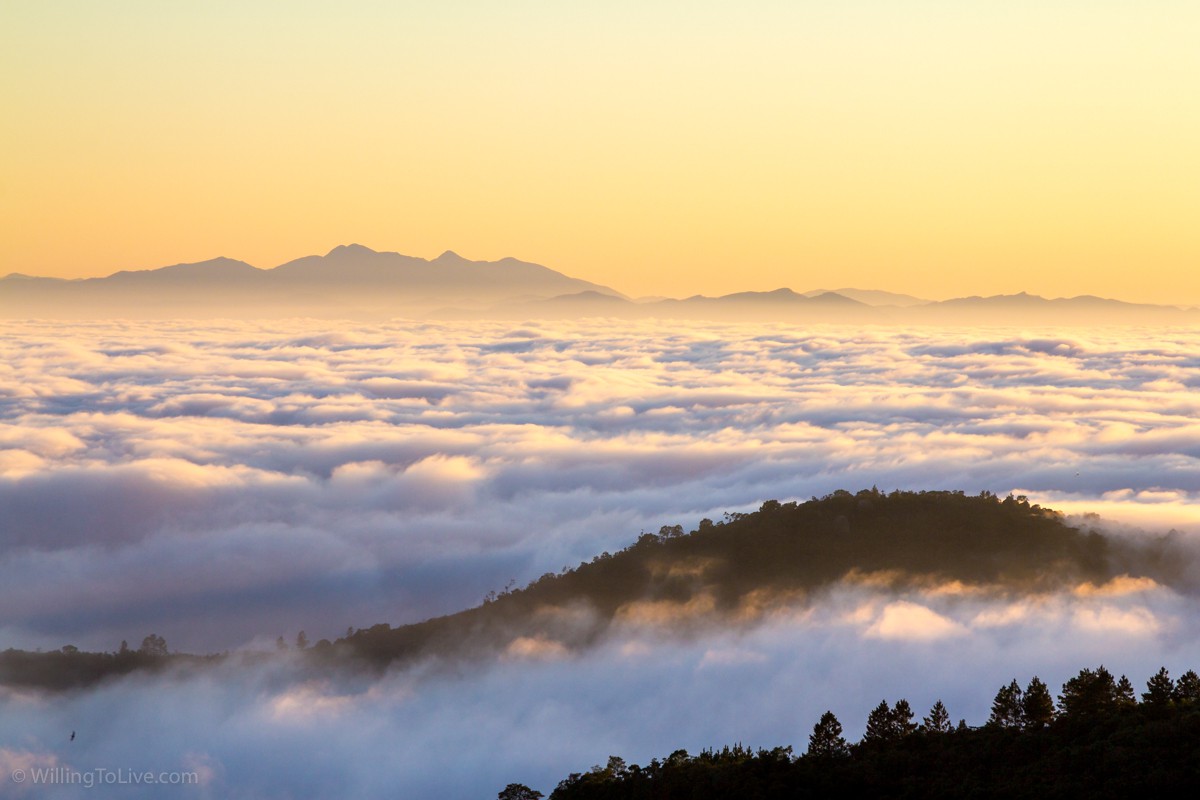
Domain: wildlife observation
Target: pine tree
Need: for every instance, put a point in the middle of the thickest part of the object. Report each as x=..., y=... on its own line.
x=1160, y=691
x=902, y=719
x=1125, y=696
x=826, y=739
x=1187, y=689
x=1089, y=693
x=1037, y=707
x=1008, y=708
x=938, y=720
x=879, y=725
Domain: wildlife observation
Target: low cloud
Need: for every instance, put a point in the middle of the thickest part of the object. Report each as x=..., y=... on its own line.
x=540, y=711
x=908, y=621
x=228, y=484
x=425, y=464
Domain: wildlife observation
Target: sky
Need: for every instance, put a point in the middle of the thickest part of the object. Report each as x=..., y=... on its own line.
x=932, y=147
x=224, y=483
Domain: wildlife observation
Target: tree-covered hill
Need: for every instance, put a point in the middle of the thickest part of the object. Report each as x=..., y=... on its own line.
x=782, y=554
x=723, y=573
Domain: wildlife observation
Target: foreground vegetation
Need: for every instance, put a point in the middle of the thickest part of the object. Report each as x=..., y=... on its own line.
x=1099, y=741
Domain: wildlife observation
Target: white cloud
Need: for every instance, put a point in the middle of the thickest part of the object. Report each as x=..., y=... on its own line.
x=236, y=482
x=907, y=621
x=444, y=459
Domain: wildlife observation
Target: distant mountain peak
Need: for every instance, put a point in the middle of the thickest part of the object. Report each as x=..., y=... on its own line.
x=350, y=250
x=449, y=255
x=835, y=298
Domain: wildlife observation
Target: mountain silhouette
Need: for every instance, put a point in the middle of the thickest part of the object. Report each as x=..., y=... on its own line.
x=354, y=281
x=873, y=297
x=350, y=280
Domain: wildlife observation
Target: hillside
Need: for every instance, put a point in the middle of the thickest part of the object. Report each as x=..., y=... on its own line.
x=723, y=574
x=730, y=573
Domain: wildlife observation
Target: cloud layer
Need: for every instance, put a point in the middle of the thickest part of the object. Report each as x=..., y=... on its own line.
x=238, y=480
x=227, y=484
x=539, y=713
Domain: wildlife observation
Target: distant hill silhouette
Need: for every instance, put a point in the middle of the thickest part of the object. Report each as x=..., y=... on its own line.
x=349, y=281
x=873, y=297
x=353, y=281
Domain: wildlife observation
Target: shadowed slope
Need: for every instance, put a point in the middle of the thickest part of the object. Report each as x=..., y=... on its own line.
x=733, y=573
x=726, y=575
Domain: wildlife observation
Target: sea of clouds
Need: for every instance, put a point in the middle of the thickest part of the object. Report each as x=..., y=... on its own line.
x=226, y=483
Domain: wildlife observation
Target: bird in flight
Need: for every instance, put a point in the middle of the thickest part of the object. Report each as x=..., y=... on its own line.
x=72, y=736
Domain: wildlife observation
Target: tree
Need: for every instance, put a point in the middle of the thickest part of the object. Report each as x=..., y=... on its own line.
x=1008, y=709
x=1089, y=693
x=889, y=724
x=518, y=791
x=153, y=645
x=1124, y=696
x=301, y=640
x=826, y=740
x=1187, y=689
x=879, y=725
x=938, y=720
x=281, y=644
x=902, y=719
x=1160, y=691
x=1037, y=707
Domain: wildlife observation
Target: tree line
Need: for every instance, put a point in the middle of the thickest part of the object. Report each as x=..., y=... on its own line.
x=1100, y=738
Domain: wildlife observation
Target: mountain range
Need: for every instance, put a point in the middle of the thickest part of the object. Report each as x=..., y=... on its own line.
x=353, y=281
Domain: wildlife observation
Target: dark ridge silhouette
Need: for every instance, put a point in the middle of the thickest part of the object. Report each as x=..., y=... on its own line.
x=725, y=574
x=69, y=668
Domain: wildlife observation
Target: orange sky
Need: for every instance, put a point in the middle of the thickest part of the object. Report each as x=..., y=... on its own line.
x=933, y=147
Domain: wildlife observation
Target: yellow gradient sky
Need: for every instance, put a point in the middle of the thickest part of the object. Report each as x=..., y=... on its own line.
x=938, y=147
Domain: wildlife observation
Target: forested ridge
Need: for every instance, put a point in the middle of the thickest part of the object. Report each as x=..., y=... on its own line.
x=1099, y=740
x=722, y=573
x=784, y=553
